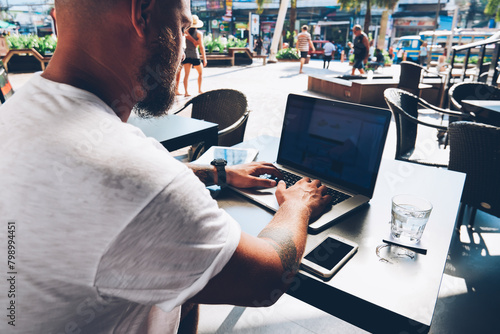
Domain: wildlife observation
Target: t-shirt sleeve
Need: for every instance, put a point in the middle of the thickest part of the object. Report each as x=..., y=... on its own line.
x=170, y=251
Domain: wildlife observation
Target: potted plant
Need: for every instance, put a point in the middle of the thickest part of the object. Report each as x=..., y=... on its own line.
x=288, y=54
x=213, y=45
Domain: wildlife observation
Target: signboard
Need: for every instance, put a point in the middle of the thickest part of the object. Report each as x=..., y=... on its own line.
x=224, y=26
x=241, y=25
x=214, y=4
x=255, y=24
x=229, y=8
x=414, y=22
x=214, y=24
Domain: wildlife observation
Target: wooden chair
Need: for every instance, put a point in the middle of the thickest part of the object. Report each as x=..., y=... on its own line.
x=226, y=107
x=475, y=150
x=405, y=108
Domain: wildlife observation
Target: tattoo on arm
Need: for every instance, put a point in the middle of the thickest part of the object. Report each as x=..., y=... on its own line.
x=282, y=241
x=205, y=174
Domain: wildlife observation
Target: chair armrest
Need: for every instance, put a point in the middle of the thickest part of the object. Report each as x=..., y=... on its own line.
x=445, y=111
x=416, y=120
x=235, y=125
x=436, y=126
x=181, y=109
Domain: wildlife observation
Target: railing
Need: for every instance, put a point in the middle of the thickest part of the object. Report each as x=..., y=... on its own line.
x=485, y=72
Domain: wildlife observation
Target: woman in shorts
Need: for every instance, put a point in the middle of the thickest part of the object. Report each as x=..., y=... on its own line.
x=194, y=40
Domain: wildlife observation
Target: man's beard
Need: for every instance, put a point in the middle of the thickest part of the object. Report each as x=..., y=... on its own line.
x=157, y=76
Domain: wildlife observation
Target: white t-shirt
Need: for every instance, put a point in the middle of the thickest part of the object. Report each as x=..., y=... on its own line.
x=329, y=48
x=107, y=222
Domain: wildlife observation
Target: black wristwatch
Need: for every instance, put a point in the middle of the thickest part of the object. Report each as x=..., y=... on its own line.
x=220, y=165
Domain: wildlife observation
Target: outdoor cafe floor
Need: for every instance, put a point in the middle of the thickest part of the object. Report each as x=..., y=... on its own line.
x=469, y=298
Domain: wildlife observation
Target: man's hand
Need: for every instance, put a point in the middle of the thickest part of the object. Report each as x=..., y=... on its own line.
x=247, y=175
x=305, y=192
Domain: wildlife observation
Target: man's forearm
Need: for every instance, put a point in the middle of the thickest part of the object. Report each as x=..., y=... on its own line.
x=206, y=174
x=287, y=234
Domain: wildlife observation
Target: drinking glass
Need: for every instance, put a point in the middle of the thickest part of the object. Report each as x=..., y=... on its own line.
x=409, y=216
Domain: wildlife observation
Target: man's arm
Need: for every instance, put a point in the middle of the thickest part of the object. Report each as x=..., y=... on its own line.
x=311, y=45
x=262, y=267
x=241, y=176
x=191, y=39
x=367, y=46
x=202, y=49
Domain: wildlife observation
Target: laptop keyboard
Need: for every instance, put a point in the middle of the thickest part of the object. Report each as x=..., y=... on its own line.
x=290, y=179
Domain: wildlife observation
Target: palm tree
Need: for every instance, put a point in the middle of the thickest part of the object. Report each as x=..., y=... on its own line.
x=493, y=8
x=356, y=5
x=260, y=6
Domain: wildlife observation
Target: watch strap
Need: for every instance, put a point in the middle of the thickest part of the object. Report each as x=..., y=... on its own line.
x=220, y=166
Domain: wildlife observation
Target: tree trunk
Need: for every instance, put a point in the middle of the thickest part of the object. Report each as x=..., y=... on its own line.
x=368, y=17
x=293, y=18
x=383, y=30
x=277, y=30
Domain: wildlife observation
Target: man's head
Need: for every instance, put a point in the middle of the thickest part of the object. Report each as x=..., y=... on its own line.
x=135, y=42
x=304, y=27
x=356, y=30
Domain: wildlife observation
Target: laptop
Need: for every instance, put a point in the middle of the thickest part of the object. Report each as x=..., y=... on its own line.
x=336, y=142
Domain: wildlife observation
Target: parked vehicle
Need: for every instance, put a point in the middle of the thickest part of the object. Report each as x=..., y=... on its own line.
x=318, y=44
x=438, y=42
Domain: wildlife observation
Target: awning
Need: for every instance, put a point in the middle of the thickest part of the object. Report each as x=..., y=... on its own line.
x=333, y=23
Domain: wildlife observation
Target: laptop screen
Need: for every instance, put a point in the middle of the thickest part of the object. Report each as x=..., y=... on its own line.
x=338, y=142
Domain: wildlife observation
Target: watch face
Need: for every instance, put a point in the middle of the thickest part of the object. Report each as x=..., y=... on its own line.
x=219, y=162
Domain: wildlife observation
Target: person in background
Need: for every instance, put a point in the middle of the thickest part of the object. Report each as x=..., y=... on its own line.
x=423, y=53
x=194, y=41
x=223, y=40
x=52, y=14
x=119, y=234
x=304, y=42
x=329, y=49
x=361, y=46
x=379, y=58
x=391, y=53
x=258, y=45
x=179, y=71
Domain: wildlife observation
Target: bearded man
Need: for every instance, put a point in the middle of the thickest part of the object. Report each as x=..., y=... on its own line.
x=108, y=232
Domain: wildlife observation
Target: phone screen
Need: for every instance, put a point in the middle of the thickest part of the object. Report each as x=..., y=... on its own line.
x=329, y=253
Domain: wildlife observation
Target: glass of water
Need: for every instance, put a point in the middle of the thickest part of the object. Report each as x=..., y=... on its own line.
x=409, y=216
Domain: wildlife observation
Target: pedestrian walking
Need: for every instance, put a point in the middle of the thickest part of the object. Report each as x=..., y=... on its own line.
x=258, y=45
x=361, y=46
x=329, y=49
x=194, y=41
x=423, y=53
x=303, y=43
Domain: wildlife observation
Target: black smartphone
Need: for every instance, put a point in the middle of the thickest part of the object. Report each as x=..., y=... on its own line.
x=329, y=256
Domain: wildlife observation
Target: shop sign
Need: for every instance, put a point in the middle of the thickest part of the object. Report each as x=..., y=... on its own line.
x=266, y=27
x=254, y=24
x=214, y=24
x=411, y=22
x=229, y=8
x=241, y=25
x=224, y=26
